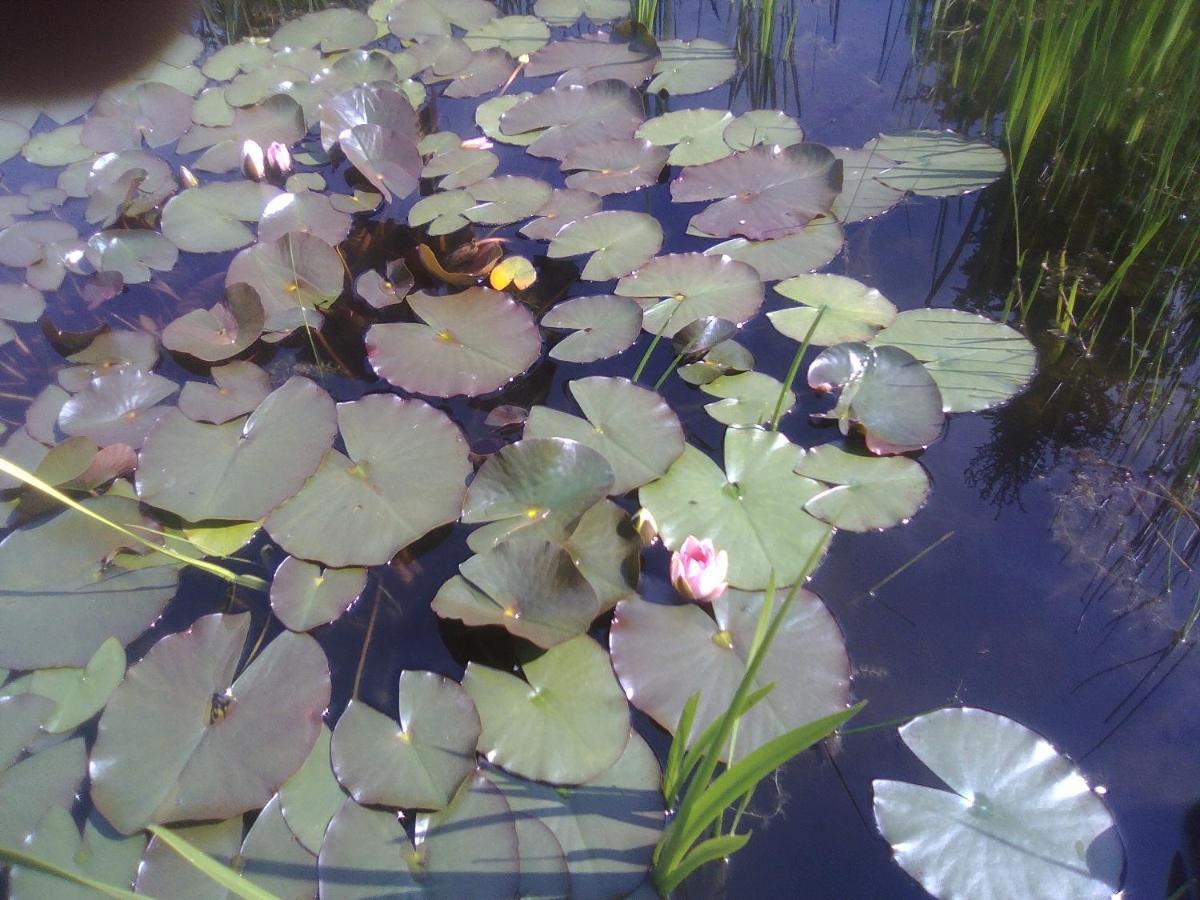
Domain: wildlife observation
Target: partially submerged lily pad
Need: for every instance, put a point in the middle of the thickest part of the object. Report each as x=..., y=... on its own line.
x=118, y=408
x=937, y=163
x=293, y=276
x=614, y=167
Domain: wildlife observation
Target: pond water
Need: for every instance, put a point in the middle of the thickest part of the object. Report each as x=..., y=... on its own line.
x=1036, y=581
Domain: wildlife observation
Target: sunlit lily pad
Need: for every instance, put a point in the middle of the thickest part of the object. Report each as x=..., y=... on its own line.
x=573, y=115
x=460, y=167
x=937, y=163
x=133, y=253
x=594, y=57
x=403, y=476
x=163, y=872
x=20, y=303
x=386, y=157
x=515, y=35
x=312, y=796
x=110, y=350
x=225, y=330
x=308, y=212
x=813, y=246
x=614, y=167
x=381, y=292
x=274, y=859
x=419, y=19
x=664, y=654
x=602, y=326
x=370, y=105
x=21, y=715
x=442, y=212
x=852, y=310
x=277, y=118
x=58, y=147
x=866, y=492
x=177, y=740
x=244, y=56
x=233, y=471
x=697, y=135
x=976, y=362
x=483, y=72
x=752, y=510
x=211, y=218
x=505, y=199
x=331, y=29
x=678, y=289
x=58, y=571
x=125, y=116
x=692, y=67
x=36, y=785
x=77, y=693
x=293, y=276
x=629, y=425
x=763, y=192
x=618, y=240
x=567, y=12
x=118, y=408
x=487, y=117
x=863, y=195
x=468, y=343
x=747, y=398
x=563, y=207
x=1021, y=819
x=130, y=183
x=99, y=853
x=418, y=763
x=305, y=595
x=358, y=68
x=13, y=136
x=26, y=243
x=567, y=723
x=763, y=126
x=240, y=387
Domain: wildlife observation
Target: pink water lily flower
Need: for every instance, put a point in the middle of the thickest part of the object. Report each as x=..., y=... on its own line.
x=254, y=163
x=699, y=571
x=279, y=161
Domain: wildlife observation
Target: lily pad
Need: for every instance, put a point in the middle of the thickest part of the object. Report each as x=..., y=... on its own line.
x=866, y=493
x=816, y=244
x=118, y=408
x=691, y=67
x=976, y=362
x=380, y=292
x=602, y=326
x=57, y=147
x=22, y=715
x=505, y=199
x=240, y=387
x=629, y=425
x=937, y=163
x=572, y=115
x=567, y=12
x=418, y=763
x=244, y=56
x=567, y=723
x=37, y=784
x=21, y=303
x=598, y=56
x=358, y=68
x=763, y=126
x=763, y=192
x=618, y=240
x=852, y=310
x=77, y=693
x=487, y=117
x=331, y=29
x=678, y=289
x=218, y=333
x=752, y=510
x=131, y=183
x=614, y=167
x=419, y=19
x=133, y=253
x=164, y=873
x=1022, y=820
x=563, y=207
x=698, y=135
x=863, y=195
x=664, y=654
x=111, y=350
x=471, y=343
x=177, y=740
x=515, y=35
x=311, y=797
x=308, y=212
x=747, y=398
x=376, y=104
x=209, y=219
x=304, y=595
x=125, y=116
x=274, y=859
x=233, y=471
x=484, y=72
x=387, y=158
x=403, y=476
x=292, y=276
x=277, y=118
x=442, y=212
x=99, y=853
x=13, y=136
x=461, y=167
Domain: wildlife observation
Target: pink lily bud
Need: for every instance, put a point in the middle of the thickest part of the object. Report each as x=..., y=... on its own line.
x=699, y=571
x=279, y=161
x=254, y=165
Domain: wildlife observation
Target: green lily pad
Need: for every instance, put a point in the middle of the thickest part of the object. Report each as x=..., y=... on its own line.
x=614, y=167
x=244, y=56
x=977, y=363
x=461, y=167
x=277, y=118
x=571, y=115
x=240, y=387
x=697, y=135
x=415, y=20
x=99, y=854
x=1022, y=820
x=632, y=427
x=21, y=303
x=563, y=207
x=37, y=784
x=866, y=493
x=747, y=398
x=356, y=203
x=110, y=350
x=515, y=35
x=937, y=163
x=484, y=72
x=233, y=471
x=124, y=116
x=763, y=192
x=487, y=117
x=763, y=126
x=387, y=158
x=118, y=408
x=728, y=357
x=308, y=212
x=418, y=763
x=505, y=199
x=77, y=693
x=274, y=859
x=311, y=797
x=664, y=654
x=752, y=510
x=816, y=244
x=404, y=476
x=164, y=873
x=606, y=827
x=691, y=67
x=565, y=724
x=358, y=68
x=568, y=12
x=178, y=739
x=471, y=343
x=13, y=136
x=259, y=85
x=442, y=212
x=304, y=595
x=602, y=326
x=864, y=195
x=292, y=276
x=209, y=219
x=212, y=109
x=331, y=29
x=373, y=104
x=678, y=289
x=595, y=57
x=618, y=240
x=218, y=333
x=21, y=715
x=133, y=253
x=57, y=147
x=131, y=183
x=853, y=311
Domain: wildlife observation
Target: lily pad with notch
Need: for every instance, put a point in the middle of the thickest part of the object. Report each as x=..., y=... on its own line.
x=515, y=35
x=696, y=136
x=614, y=167
x=937, y=163
x=602, y=326
x=504, y=199
x=308, y=212
x=852, y=310
x=132, y=252
x=763, y=126
x=126, y=115
x=746, y=398
x=240, y=387
x=416, y=20
x=864, y=195
x=691, y=67
x=564, y=206
x=78, y=693
x=865, y=492
x=382, y=291
x=293, y=276
x=225, y=330
x=304, y=595
x=572, y=115
x=274, y=859
x=677, y=289
x=385, y=157
x=374, y=104
x=210, y=218
x=330, y=29
x=312, y=796
x=568, y=12
x=99, y=853
x=808, y=249
x=460, y=167
x=619, y=241
x=488, y=113
x=29, y=791
x=597, y=56
x=117, y=408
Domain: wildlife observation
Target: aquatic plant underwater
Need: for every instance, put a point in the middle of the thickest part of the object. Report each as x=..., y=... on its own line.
x=300, y=371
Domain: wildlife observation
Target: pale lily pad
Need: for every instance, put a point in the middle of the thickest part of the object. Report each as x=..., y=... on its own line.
x=614, y=167
x=1022, y=820
x=210, y=218
x=225, y=330
x=164, y=873
x=261, y=84
x=21, y=715
x=664, y=654
x=864, y=195
x=437, y=142
x=99, y=853
x=212, y=109
x=629, y=425
x=308, y=212
x=77, y=693
x=130, y=183
x=866, y=492
x=58, y=147
x=567, y=12
x=370, y=105
x=274, y=859
x=305, y=595
x=471, y=343
x=26, y=244
x=567, y=723
x=763, y=192
x=277, y=118
x=563, y=207
x=602, y=326
x=976, y=362
x=747, y=398
x=233, y=471
x=311, y=797
x=505, y=199
x=404, y=476
x=293, y=276
x=60, y=570
x=118, y=408
x=763, y=126
x=125, y=116
x=357, y=68
x=487, y=117
x=515, y=35
x=418, y=763
x=606, y=827
x=572, y=115
x=177, y=740
x=937, y=163
x=133, y=253
x=36, y=785
x=356, y=203
x=692, y=67
x=13, y=136
x=618, y=240
x=678, y=289
x=595, y=57
x=461, y=167
x=752, y=510
x=419, y=19
x=240, y=387
x=244, y=56
x=387, y=158
x=21, y=303
x=484, y=72
x=697, y=135
x=816, y=244
x=110, y=350
x=441, y=212
x=331, y=29
x=852, y=310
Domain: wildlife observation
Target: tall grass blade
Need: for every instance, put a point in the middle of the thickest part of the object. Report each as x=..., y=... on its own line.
x=217, y=872
x=12, y=857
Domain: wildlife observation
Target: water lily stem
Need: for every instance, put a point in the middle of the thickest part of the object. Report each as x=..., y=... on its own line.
x=667, y=371
x=637, y=373
x=794, y=369
x=362, y=656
